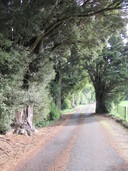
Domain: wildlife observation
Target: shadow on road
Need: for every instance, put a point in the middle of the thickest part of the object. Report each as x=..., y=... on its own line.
x=78, y=119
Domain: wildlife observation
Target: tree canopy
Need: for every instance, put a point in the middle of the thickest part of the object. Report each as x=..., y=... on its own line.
x=47, y=49
x=108, y=72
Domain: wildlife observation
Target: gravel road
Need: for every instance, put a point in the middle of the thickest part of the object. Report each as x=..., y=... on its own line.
x=82, y=145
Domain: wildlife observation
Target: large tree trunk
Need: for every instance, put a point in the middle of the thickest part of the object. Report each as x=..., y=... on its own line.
x=100, y=102
x=59, y=102
x=59, y=98
x=24, y=119
x=29, y=115
x=73, y=101
x=59, y=92
x=58, y=81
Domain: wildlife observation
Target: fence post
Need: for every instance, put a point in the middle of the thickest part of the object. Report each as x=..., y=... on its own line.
x=125, y=112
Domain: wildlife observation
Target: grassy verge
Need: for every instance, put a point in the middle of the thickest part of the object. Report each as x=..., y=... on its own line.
x=121, y=111
x=67, y=111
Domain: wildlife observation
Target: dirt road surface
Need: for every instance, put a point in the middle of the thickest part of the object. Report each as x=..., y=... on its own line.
x=86, y=143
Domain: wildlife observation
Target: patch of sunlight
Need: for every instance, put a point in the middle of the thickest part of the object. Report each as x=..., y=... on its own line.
x=124, y=103
x=106, y=125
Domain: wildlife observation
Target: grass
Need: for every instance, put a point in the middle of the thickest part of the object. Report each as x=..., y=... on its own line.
x=66, y=111
x=122, y=110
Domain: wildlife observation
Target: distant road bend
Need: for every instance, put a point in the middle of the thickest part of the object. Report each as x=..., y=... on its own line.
x=83, y=144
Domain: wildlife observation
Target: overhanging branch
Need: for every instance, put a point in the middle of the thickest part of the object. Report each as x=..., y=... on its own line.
x=114, y=6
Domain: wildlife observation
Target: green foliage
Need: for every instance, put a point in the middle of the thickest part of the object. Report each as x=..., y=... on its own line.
x=12, y=66
x=14, y=61
x=108, y=72
x=89, y=93
x=65, y=111
x=54, y=112
x=66, y=104
x=120, y=110
x=48, y=119
x=7, y=100
x=41, y=103
x=80, y=98
x=42, y=35
x=6, y=116
x=126, y=94
x=44, y=123
x=38, y=92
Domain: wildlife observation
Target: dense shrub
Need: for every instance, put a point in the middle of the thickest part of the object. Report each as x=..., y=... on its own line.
x=81, y=98
x=5, y=119
x=54, y=112
x=41, y=105
x=14, y=61
x=67, y=104
x=89, y=93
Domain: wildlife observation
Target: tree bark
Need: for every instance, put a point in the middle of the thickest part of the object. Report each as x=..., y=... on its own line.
x=58, y=82
x=19, y=117
x=73, y=101
x=24, y=119
x=100, y=102
x=29, y=115
x=59, y=104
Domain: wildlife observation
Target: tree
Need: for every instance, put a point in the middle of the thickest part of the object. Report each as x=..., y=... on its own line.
x=68, y=48
x=13, y=61
x=108, y=72
x=70, y=76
